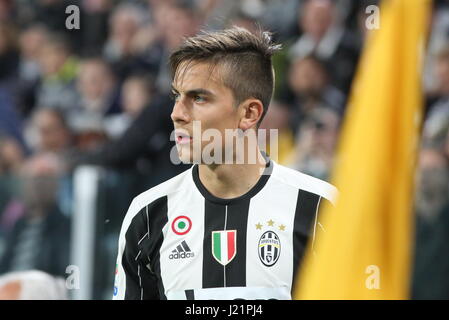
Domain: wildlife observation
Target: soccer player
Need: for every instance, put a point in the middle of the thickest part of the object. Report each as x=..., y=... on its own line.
x=223, y=229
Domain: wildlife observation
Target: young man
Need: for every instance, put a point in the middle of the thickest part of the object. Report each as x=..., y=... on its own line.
x=222, y=229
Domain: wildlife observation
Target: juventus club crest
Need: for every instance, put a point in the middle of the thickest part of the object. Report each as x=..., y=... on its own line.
x=269, y=248
x=224, y=247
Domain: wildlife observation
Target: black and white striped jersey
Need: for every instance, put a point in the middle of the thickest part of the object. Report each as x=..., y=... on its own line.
x=178, y=241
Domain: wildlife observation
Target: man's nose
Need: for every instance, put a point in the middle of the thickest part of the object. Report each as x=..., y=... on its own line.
x=180, y=112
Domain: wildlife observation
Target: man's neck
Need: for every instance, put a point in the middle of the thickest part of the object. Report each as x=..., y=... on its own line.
x=229, y=181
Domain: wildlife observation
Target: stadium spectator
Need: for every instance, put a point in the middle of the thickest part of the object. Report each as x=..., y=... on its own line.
x=137, y=91
x=40, y=238
x=9, y=59
x=11, y=160
x=324, y=36
x=316, y=142
x=175, y=20
x=95, y=16
x=48, y=132
x=31, y=41
x=309, y=82
x=141, y=42
x=98, y=97
x=143, y=148
x=56, y=88
x=11, y=155
x=436, y=125
x=124, y=24
x=286, y=28
x=438, y=40
x=49, y=12
x=277, y=118
x=10, y=119
x=6, y=10
x=432, y=222
x=217, y=14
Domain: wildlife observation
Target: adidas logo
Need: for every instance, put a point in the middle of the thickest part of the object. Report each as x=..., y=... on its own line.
x=182, y=251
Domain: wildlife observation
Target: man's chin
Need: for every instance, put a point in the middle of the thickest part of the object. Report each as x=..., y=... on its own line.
x=197, y=160
x=188, y=159
x=187, y=156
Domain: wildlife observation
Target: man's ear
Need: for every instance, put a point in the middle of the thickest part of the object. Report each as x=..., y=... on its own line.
x=251, y=111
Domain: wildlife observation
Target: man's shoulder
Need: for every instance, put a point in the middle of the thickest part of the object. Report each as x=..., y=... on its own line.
x=305, y=182
x=159, y=191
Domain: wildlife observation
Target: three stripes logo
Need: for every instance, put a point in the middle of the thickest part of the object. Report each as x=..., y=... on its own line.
x=182, y=251
x=224, y=246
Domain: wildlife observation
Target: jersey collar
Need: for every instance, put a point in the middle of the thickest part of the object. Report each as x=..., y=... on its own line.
x=251, y=193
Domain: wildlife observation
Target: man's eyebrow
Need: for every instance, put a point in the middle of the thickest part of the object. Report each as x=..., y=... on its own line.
x=198, y=91
x=193, y=92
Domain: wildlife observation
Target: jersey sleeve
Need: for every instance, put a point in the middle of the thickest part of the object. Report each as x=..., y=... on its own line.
x=328, y=198
x=317, y=227
x=133, y=278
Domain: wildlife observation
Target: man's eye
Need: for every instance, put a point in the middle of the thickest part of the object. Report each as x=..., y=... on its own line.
x=199, y=99
x=174, y=96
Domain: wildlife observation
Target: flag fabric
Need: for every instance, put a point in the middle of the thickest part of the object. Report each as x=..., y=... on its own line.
x=364, y=250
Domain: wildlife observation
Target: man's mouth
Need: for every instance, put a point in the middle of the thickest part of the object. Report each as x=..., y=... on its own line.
x=182, y=138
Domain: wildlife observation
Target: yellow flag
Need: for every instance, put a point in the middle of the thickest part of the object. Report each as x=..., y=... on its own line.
x=364, y=251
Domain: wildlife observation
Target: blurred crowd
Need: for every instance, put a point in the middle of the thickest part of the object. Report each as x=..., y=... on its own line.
x=99, y=95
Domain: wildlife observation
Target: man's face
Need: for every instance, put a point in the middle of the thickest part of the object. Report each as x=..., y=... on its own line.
x=52, y=134
x=94, y=81
x=317, y=17
x=201, y=97
x=307, y=77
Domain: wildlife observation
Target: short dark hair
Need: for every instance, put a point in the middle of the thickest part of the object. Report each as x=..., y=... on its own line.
x=246, y=57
